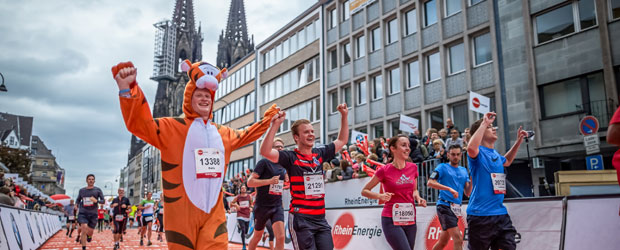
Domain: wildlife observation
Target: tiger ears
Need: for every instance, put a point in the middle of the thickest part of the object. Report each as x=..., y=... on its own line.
x=186, y=65
x=222, y=75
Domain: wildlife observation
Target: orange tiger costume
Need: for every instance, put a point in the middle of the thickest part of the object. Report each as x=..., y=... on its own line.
x=195, y=216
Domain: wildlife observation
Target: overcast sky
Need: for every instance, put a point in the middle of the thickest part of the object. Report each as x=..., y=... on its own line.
x=56, y=57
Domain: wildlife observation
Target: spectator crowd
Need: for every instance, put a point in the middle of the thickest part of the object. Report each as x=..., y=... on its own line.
x=12, y=194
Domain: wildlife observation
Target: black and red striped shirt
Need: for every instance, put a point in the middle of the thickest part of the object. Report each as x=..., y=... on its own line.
x=297, y=165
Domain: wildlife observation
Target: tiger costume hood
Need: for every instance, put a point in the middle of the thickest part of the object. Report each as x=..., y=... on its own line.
x=204, y=76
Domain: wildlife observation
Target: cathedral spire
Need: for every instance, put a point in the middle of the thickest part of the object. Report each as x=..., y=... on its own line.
x=234, y=43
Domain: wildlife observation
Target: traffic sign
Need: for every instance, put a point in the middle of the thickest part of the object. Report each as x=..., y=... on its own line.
x=590, y=140
x=593, y=149
x=588, y=125
x=595, y=162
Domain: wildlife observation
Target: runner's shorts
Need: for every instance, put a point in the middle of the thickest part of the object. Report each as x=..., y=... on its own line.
x=494, y=231
x=262, y=214
x=119, y=226
x=310, y=232
x=146, y=220
x=90, y=219
x=446, y=217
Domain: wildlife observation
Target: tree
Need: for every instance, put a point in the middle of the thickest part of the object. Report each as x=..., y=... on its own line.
x=17, y=160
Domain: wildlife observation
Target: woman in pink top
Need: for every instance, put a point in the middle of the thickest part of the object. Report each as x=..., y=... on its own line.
x=399, y=182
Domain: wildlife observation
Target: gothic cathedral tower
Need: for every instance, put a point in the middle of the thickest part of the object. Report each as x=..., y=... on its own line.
x=175, y=41
x=234, y=44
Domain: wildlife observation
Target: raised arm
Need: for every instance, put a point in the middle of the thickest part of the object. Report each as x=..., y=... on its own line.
x=245, y=136
x=135, y=109
x=266, y=148
x=476, y=138
x=343, y=134
x=512, y=153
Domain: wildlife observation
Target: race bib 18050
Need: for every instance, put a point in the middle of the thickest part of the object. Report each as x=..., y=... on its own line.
x=209, y=162
x=403, y=214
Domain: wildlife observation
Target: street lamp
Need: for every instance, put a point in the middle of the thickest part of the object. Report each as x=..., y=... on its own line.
x=2, y=86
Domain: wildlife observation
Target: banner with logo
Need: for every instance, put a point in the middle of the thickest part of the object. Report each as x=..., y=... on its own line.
x=599, y=219
x=349, y=194
x=408, y=124
x=479, y=103
x=356, y=135
x=23, y=229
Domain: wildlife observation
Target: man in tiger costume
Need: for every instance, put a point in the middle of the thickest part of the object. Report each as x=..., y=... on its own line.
x=194, y=153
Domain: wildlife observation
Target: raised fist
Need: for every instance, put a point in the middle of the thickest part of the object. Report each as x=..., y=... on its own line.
x=125, y=75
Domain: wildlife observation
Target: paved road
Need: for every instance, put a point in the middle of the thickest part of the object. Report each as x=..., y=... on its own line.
x=105, y=240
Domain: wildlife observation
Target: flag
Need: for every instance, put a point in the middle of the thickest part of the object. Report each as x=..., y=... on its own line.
x=408, y=124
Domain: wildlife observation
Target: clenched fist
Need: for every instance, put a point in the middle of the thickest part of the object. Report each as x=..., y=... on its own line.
x=125, y=75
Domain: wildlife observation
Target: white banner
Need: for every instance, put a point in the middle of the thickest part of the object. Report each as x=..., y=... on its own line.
x=357, y=135
x=25, y=229
x=479, y=103
x=592, y=224
x=11, y=176
x=348, y=194
x=408, y=124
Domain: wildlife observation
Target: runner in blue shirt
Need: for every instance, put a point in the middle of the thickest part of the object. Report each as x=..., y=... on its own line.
x=487, y=218
x=452, y=180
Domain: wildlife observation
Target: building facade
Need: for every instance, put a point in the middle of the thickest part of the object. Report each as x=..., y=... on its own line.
x=46, y=175
x=290, y=73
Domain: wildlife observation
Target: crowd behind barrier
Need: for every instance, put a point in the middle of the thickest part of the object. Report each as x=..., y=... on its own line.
x=25, y=229
x=16, y=192
x=565, y=223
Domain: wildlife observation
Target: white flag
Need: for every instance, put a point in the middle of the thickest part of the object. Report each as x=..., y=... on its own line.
x=408, y=124
x=479, y=103
x=357, y=136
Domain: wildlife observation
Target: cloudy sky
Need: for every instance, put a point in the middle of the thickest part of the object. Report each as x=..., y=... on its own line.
x=56, y=57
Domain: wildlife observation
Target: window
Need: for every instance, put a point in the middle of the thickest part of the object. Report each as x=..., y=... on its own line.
x=360, y=48
x=474, y=2
x=580, y=94
x=482, y=49
x=460, y=116
x=377, y=87
x=411, y=23
x=43, y=174
x=346, y=96
x=436, y=119
x=293, y=41
x=457, y=58
x=394, y=75
x=361, y=93
x=392, y=31
x=333, y=59
x=332, y=18
x=311, y=31
x=377, y=130
x=375, y=39
x=560, y=22
x=346, y=53
x=614, y=8
x=413, y=76
x=345, y=10
x=333, y=96
x=301, y=41
x=278, y=52
x=430, y=13
x=394, y=128
x=45, y=163
x=452, y=7
x=433, y=67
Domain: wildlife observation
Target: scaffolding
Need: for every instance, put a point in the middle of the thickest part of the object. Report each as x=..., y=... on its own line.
x=165, y=42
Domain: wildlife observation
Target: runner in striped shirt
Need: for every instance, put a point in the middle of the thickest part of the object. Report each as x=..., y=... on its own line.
x=307, y=223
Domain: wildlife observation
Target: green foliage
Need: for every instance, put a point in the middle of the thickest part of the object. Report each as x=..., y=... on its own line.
x=17, y=160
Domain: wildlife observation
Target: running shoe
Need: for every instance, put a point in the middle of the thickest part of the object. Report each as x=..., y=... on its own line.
x=149, y=243
x=141, y=242
x=89, y=238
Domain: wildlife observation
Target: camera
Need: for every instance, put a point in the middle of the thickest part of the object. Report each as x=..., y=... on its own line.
x=530, y=135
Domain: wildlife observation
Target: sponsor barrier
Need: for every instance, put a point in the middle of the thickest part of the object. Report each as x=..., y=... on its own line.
x=577, y=222
x=349, y=194
x=24, y=229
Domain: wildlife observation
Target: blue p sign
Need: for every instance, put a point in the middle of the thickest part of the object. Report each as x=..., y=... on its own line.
x=595, y=162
